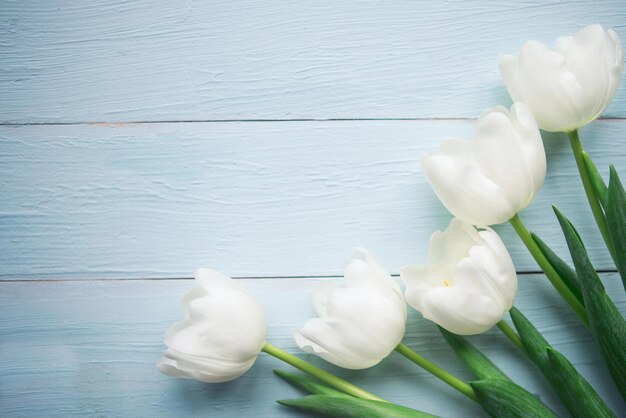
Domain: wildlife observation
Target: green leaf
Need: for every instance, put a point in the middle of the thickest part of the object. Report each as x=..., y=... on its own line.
x=567, y=274
x=577, y=395
x=309, y=384
x=475, y=360
x=496, y=393
x=502, y=398
x=615, y=211
x=606, y=322
x=348, y=407
x=533, y=340
x=599, y=187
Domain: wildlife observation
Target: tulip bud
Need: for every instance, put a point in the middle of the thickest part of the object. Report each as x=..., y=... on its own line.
x=571, y=85
x=468, y=283
x=222, y=333
x=489, y=179
x=359, y=323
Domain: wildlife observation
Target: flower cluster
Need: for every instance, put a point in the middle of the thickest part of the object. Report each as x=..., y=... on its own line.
x=469, y=281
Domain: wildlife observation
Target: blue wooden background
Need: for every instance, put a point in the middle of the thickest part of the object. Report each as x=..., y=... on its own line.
x=141, y=139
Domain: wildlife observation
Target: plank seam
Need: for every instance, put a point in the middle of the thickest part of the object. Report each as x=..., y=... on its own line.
x=123, y=123
x=519, y=273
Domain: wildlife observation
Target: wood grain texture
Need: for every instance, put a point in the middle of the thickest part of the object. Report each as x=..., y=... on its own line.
x=89, y=348
x=250, y=199
x=258, y=199
x=151, y=60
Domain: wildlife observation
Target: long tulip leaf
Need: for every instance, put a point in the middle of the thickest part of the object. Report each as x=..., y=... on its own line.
x=597, y=182
x=567, y=274
x=473, y=358
x=616, y=221
x=575, y=392
x=502, y=398
x=533, y=340
x=309, y=384
x=606, y=323
x=348, y=407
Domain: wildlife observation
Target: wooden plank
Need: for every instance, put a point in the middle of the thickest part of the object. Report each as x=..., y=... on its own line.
x=251, y=199
x=151, y=60
x=89, y=348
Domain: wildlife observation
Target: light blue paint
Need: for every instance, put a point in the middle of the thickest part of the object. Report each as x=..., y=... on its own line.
x=251, y=199
x=89, y=349
x=156, y=60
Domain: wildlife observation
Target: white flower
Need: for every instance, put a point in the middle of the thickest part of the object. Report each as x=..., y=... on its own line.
x=488, y=180
x=359, y=323
x=570, y=86
x=468, y=283
x=222, y=333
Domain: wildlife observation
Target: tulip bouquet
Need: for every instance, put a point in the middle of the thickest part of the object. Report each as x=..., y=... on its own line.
x=468, y=282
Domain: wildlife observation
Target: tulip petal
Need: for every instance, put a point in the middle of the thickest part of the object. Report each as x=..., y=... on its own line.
x=321, y=294
x=195, y=293
x=214, y=371
x=531, y=144
x=318, y=338
x=469, y=276
x=363, y=266
x=221, y=317
x=497, y=265
x=453, y=244
x=551, y=90
x=212, y=279
x=420, y=280
x=616, y=55
x=461, y=312
x=465, y=191
x=177, y=327
x=497, y=151
x=586, y=58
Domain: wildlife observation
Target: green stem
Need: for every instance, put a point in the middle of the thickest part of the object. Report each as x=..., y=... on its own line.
x=437, y=371
x=547, y=268
x=328, y=378
x=511, y=335
x=598, y=213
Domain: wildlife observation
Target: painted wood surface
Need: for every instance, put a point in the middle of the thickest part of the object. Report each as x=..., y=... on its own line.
x=150, y=60
x=89, y=349
x=216, y=186
x=251, y=199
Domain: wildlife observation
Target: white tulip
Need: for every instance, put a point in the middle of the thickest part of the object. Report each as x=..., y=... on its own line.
x=489, y=179
x=570, y=86
x=468, y=283
x=222, y=333
x=359, y=323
